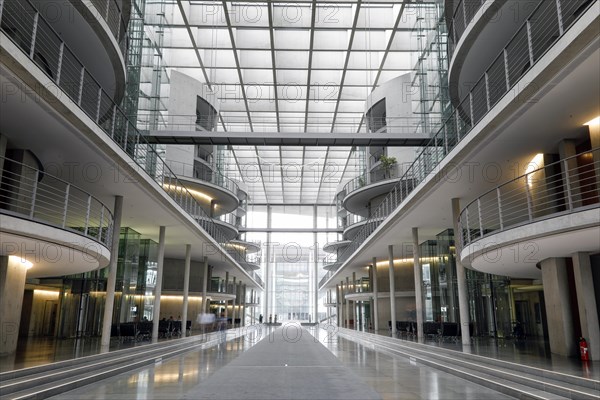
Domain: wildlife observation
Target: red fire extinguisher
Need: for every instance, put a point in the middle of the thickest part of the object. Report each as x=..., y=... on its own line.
x=583, y=349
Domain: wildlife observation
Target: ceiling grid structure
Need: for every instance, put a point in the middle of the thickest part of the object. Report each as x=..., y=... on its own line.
x=290, y=67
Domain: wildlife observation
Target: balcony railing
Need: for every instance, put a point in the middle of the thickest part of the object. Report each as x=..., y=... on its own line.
x=110, y=11
x=28, y=29
x=537, y=34
x=38, y=196
x=375, y=176
x=563, y=187
x=462, y=16
x=202, y=173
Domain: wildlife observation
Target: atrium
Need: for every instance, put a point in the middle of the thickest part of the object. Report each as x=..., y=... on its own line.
x=300, y=200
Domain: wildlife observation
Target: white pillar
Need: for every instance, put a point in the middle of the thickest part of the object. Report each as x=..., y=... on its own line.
x=586, y=300
x=186, y=287
x=461, y=280
x=338, y=304
x=418, y=282
x=112, y=275
x=235, y=292
x=558, y=309
x=158, y=287
x=347, y=303
x=392, y=288
x=205, y=308
x=375, y=297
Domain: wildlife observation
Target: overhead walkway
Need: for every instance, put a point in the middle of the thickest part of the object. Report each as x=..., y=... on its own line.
x=283, y=138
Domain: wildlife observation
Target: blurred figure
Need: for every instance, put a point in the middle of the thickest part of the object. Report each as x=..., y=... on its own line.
x=260, y=319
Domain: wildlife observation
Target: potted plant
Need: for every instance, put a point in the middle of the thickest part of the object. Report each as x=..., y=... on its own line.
x=387, y=163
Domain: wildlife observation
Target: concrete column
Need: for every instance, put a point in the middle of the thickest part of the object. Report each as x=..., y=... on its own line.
x=112, y=275
x=227, y=292
x=392, y=288
x=243, y=322
x=13, y=273
x=586, y=299
x=558, y=310
x=338, y=305
x=461, y=280
x=375, y=296
x=233, y=302
x=158, y=288
x=418, y=282
x=347, y=303
x=186, y=287
x=205, y=308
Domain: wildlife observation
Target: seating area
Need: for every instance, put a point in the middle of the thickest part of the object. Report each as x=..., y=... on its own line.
x=140, y=331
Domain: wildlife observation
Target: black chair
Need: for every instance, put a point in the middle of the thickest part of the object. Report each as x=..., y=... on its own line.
x=114, y=330
x=145, y=330
x=176, y=328
x=450, y=330
x=431, y=329
x=188, y=327
x=128, y=331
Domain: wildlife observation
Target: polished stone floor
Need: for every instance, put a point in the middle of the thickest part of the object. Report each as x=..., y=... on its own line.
x=216, y=370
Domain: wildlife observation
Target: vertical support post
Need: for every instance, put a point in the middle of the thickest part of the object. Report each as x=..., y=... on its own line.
x=98, y=106
x=529, y=43
x=418, y=282
x=112, y=275
x=158, y=287
x=34, y=193
x=186, y=288
x=479, y=215
x=347, y=303
x=61, y=50
x=375, y=296
x=565, y=165
x=506, y=73
x=101, y=223
x=561, y=28
x=66, y=205
x=528, y=195
x=500, y=216
x=34, y=34
x=204, y=308
x=461, y=280
x=87, y=215
x=81, y=78
x=487, y=91
x=392, y=276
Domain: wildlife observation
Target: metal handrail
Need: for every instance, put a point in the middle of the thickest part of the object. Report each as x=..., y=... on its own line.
x=38, y=196
x=27, y=28
x=111, y=13
x=540, y=194
x=533, y=39
x=461, y=18
x=213, y=176
x=379, y=174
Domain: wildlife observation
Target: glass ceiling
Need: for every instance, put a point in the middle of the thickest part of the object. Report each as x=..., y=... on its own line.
x=303, y=66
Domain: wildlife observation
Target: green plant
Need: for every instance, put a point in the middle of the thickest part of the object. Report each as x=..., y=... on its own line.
x=387, y=163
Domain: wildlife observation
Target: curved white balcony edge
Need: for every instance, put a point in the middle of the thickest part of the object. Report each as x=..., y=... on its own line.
x=516, y=252
x=52, y=251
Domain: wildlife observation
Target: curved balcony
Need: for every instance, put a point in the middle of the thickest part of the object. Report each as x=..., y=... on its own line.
x=100, y=108
x=549, y=204
x=358, y=192
x=116, y=17
x=247, y=247
x=503, y=52
x=330, y=265
x=40, y=198
x=333, y=247
x=214, y=189
x=252, y=262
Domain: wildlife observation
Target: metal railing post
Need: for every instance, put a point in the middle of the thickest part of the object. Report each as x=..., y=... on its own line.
x=61, y=50
x=471, y=108
x=480, y=220
x=506, y=73
x=99, y=102
x=529, y=43
x=467, y=223
x=112, y=124
x=487, y=91
x=529, y=204
x=66, y=205
x=34, y=193
x=34, y=34
x=81, y=78
x=565, y=166
x=101, y=223
x=500, y=216
x=87, y=215
x=561, y=29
